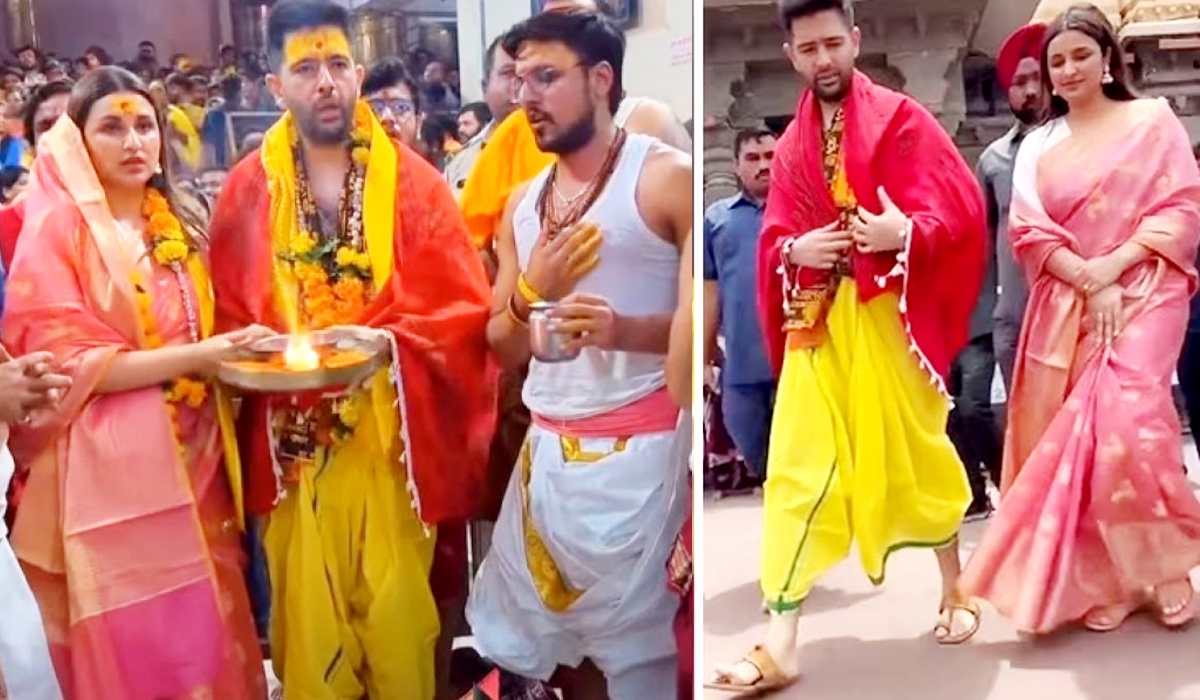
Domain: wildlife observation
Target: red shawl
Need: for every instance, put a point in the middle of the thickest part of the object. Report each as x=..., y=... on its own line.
x=890, y=141
x=435, y=304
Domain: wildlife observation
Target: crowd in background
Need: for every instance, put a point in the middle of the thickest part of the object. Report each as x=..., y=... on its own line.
x=197, y=98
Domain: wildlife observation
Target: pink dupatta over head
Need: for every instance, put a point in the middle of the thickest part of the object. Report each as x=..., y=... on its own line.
x=111, y=531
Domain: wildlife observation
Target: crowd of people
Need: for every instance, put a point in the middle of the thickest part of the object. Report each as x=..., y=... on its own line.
x=169, y=532
x=197, y=99
x=890, y=281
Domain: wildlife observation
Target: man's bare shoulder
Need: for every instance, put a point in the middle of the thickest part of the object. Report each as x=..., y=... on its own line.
x=667, y=162
x=655, y=118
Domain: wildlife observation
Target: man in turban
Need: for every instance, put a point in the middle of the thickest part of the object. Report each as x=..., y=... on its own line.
x=996, y=321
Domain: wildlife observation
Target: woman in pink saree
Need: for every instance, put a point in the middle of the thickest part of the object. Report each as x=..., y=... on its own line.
x=127, y=534
x=1097, y=519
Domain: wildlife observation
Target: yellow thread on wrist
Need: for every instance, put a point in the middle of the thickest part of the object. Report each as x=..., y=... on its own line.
x=528, y=293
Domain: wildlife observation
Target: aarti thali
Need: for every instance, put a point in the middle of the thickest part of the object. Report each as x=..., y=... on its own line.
x=302, y=362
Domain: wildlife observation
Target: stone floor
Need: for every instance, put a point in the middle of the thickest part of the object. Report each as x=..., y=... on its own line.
x=864, y=642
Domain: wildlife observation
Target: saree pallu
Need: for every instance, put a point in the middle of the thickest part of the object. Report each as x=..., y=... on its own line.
x=127, y=534
x=1095, y=502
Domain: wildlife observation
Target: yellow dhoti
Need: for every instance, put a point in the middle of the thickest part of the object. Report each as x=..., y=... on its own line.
x=859, y=452
x=349, y=561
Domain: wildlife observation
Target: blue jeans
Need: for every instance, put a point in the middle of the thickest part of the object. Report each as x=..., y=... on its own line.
x=748, y=409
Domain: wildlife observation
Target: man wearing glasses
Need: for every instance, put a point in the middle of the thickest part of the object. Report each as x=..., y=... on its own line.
x=576, y=577
x=395, y=100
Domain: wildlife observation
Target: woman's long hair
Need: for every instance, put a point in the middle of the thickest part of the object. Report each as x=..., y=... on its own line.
x=1087, y=19
x=107, y=80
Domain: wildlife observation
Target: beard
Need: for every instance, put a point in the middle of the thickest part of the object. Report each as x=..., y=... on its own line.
x=1028, y=115
x=834, y=94
x=323, y=134
x=572, y=138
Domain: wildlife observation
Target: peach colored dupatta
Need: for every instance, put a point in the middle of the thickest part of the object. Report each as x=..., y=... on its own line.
x=1095, y=502
x=111, y=531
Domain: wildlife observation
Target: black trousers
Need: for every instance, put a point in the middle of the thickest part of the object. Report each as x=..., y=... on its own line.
x=1189, y=370
x=972, y=425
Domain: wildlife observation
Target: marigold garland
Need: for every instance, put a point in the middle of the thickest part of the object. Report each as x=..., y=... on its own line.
x=333, y=272
x=169, y=249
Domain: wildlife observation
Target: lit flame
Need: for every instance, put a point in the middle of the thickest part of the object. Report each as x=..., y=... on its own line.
x=300, y=355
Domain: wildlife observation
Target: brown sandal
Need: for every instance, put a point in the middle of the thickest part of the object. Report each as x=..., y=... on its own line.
x=943, y=631
x=1180, y=618
x=1117, y=613
x=770, y=677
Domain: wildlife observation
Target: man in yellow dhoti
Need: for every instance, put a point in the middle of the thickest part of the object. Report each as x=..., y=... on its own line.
x=874, y=308
x=332, y=224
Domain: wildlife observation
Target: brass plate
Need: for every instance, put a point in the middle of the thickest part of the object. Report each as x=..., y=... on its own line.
x=272, y=380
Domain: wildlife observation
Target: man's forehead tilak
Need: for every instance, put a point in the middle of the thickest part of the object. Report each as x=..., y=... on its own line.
x=319, y=44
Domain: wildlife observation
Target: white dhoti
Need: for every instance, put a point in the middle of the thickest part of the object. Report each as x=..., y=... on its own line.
x=577, y=568
x=24, y=656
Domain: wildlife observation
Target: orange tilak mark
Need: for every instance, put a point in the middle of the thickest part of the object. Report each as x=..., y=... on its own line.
x=126, y=106
x=318, y=44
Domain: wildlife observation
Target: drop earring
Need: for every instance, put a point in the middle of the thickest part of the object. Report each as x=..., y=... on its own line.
x=1107, y=78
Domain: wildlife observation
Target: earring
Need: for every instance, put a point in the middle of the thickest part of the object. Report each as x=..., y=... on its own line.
x=1107, y=78
x=158, y=169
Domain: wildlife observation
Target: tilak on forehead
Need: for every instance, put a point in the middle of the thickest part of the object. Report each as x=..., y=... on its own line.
x=318, y=44
x=125, y=105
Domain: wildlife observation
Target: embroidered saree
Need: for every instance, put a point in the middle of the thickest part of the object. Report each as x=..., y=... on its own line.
x=127, y=531
x=1095, y=501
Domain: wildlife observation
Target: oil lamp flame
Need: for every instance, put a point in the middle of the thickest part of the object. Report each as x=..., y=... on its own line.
x=300, y=355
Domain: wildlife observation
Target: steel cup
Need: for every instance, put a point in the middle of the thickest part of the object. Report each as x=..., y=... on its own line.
x=547, y=344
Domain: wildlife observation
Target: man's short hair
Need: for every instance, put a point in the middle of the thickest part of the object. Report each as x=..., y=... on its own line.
x=146, y=42
x=489, y=58
x=792, y=10
x=479, y=109
x=289, y=16
x=99, y=53
x=745, y=136
x=590, y=35
x=179, y=80
x=40, y=95
x=391, y=72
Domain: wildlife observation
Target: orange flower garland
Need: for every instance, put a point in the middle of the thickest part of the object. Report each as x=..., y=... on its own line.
x=169, y=249
x=333, y=275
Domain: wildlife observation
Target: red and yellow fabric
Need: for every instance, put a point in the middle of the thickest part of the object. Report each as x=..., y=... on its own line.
x=859, y=451
x=129, y=533
x=354, y=614
x=892, y=142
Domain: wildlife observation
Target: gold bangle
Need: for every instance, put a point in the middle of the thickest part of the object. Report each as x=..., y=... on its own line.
x=511, y=309
x=526, y=290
